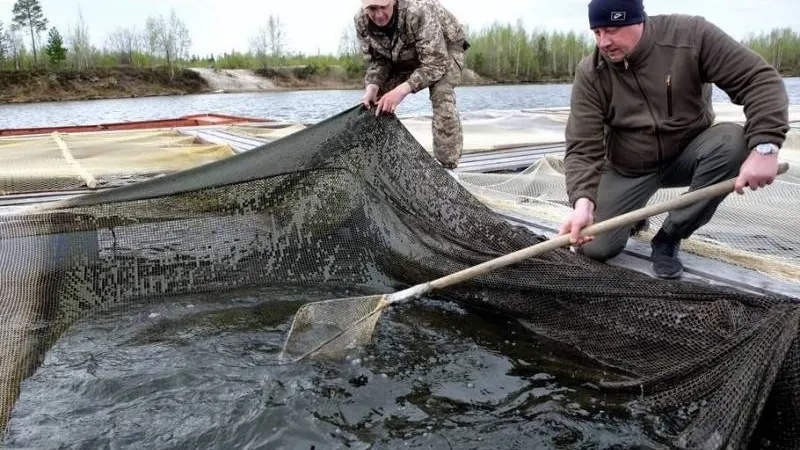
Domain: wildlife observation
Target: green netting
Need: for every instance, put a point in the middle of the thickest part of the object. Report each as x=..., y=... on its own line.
x=356, y=201
x=64, y=161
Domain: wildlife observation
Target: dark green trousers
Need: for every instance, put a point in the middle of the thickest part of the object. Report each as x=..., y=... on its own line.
x=714, y=155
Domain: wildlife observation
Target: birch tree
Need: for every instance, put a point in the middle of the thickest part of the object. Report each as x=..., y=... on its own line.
x=348, y=43
x=125, y=42
x=4, y=38
x=168, y=38
x=259, y=46
x=16, y=48
x=276, y=36
x=79, y=44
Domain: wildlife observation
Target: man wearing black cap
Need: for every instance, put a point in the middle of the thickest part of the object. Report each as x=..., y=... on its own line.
x=641, y=119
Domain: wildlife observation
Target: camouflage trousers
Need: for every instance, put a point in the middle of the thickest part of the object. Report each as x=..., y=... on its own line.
x=448, y=139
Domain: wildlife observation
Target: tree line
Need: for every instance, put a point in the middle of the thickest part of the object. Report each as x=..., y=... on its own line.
x=512, y=53
x=500, y=52
x=162, y=41
x=780, y=47
x=504, y=52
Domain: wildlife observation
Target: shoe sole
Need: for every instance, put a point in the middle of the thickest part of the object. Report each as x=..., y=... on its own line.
x=669, y=276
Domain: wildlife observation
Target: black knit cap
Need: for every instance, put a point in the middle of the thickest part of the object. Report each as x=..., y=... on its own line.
x=615, y=13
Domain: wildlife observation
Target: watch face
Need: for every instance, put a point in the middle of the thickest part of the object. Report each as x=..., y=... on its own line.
x=766, y=149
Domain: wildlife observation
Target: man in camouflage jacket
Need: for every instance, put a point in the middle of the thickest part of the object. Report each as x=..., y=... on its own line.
x=410, y=45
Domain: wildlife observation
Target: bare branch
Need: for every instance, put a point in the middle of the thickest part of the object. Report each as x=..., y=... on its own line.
x=79, y=44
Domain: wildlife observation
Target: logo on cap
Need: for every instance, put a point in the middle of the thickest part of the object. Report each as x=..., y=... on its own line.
x=617, y=16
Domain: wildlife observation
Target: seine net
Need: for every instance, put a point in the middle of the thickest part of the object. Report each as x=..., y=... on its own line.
x=57, y=161
x=756, y=230
x=356, y=201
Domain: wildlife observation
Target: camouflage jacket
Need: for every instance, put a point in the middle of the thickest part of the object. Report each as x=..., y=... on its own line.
x=426, y=34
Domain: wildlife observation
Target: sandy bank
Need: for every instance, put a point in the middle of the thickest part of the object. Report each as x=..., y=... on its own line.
x=235, y=80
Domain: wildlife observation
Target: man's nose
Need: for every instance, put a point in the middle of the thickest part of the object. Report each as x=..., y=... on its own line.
x=602, y=39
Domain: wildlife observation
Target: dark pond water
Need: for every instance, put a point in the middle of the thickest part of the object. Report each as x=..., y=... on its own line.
x=203, y=372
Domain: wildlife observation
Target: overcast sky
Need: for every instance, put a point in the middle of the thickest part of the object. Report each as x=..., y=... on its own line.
x=313, y=26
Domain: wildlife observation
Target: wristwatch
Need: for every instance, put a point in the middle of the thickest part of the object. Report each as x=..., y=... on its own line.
x=767, y=149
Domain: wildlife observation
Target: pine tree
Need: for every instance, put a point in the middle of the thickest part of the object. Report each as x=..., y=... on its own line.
x=28, y=14
x=55, y=47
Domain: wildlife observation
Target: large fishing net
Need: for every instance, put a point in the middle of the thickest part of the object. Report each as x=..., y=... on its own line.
x=757, y=230
x=66, y=161
x=356, y=201
x=514, y=164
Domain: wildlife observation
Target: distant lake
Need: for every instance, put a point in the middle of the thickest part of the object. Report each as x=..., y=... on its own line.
x=293, y=106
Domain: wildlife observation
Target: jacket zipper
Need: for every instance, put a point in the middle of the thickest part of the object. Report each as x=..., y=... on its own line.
x=668, y=82
x=649, y=109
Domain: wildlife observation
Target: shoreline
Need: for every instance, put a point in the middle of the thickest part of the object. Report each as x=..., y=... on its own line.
x=320, y=87
x=43, y=86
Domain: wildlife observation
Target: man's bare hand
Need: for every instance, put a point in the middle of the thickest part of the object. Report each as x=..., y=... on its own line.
x=389, y=102
x=370, y=96
x=756, y=172
x=582, y=216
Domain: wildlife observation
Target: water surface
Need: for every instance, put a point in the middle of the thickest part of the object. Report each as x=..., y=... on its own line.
x=203, y=372
x=295, y=106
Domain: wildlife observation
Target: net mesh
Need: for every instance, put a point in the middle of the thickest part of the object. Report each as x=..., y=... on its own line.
x=356, y=201
x=332, y=328
x=539, y=190
x=61, y=161
x=756, y=230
